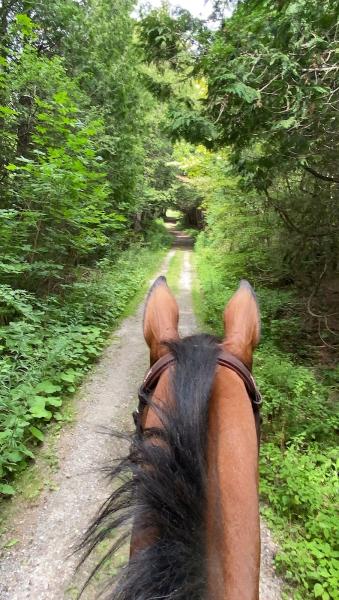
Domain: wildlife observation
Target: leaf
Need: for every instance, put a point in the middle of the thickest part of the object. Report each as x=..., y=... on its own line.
x=54, y=401
x=244, y=91
x=61, y=97
x=14, y=456
x=92, y=350
x=39, y=435
x=24, y=20
x=293, y=8
x=5, y=110
x=11, y=543
x=68, y=376
x=38, y=409
x=48, y=387
x=6, y=489
x=320, y=89
x=285, y=123
x=27, y=452
x=318, y=590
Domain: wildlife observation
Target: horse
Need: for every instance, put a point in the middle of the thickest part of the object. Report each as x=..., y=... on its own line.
x=189, y=484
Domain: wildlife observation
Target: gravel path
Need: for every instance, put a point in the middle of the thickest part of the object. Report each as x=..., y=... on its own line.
x=39, y=566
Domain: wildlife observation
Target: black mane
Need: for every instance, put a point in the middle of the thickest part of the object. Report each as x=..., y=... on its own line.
x=162, y=488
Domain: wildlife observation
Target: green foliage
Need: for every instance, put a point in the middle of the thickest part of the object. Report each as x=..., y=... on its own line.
x=294, y=401
x=271, y=71
x=166, y=38
x=62, y=174
x=48, y=345
x=174, y=270
x=82, y=143
x=171, y=41
x=276, y=66
x=83, y=171
x=301, y=487
x=188, y=123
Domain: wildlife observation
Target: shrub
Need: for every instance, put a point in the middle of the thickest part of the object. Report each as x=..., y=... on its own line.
x=49, y=345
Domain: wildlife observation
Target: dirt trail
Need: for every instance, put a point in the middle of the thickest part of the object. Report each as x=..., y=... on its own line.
x=37, y=568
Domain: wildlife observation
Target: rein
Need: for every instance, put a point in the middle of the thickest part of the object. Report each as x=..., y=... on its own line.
x=225, y=359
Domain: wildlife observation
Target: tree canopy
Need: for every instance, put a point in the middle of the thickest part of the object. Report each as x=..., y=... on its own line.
x=78, y=169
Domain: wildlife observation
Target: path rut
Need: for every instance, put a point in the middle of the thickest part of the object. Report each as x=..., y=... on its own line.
x=40, y=567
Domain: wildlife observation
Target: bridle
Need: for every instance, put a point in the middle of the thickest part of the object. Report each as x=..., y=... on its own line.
x=225, y=359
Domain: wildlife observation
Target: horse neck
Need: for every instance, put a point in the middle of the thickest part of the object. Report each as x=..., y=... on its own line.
x=233, y=534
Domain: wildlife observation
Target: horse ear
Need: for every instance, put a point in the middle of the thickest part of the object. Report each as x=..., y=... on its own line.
x=242, y=323
x=161, y=318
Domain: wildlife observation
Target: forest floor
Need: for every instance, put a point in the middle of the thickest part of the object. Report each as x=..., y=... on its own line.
x=45, y=530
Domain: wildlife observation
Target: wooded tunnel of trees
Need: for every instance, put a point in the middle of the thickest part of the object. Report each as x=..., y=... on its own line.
x=108, y=118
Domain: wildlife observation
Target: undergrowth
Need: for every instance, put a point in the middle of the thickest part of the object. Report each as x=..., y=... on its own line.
x=47, y=346
x=298, y=454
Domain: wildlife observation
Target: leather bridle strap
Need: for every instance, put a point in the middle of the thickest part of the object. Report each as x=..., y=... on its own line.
x=228, y=360
x=154, y=373
x=225, y=359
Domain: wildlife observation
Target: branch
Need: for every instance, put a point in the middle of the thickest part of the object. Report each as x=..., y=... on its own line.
x=319, y=175
x=285, y=217
x=291, y=225
x=271, y=81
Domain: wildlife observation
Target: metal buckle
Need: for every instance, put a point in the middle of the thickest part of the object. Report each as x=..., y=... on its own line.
x=258, y=398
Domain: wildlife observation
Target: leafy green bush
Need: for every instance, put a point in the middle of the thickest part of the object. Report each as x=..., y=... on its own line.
x=298, y=468
x=47, y=346
x=295, y=402
x=301, y=486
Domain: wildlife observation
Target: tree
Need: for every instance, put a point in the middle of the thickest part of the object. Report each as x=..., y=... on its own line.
x=76, y=117
x=272, y=74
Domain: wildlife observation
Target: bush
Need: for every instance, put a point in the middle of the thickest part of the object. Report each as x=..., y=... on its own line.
x=300, y=484
x=295, y=402
x=47, y=347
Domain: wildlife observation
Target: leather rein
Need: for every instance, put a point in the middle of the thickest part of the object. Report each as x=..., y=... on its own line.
x=225, y=359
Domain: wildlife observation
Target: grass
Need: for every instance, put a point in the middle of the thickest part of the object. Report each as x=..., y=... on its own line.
x=174, y=270
x=197, y=293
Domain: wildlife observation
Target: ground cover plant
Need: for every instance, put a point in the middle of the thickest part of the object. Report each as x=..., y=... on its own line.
x=49, y=344
x=174, y=270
